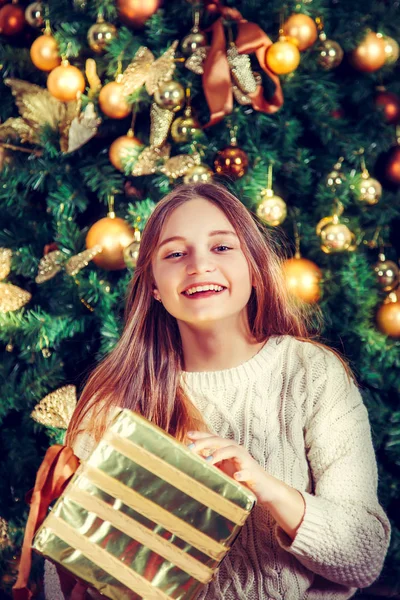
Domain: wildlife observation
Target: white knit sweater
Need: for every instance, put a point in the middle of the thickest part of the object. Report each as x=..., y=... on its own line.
x=294, y=409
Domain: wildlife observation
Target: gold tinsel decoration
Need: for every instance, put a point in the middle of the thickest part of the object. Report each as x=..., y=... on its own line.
x=49, y=266
x=56, y=409
x=5, y=262
x=81, y=260
x=12, y=297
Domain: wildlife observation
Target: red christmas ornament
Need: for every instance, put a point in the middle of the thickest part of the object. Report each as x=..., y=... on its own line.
x=389, y=104
x=12, y=19
x=392, y=167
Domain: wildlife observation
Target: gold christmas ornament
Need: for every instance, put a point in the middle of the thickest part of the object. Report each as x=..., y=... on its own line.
x=124, y=151
x=330, y=53
x=5, y=262
x=392, y=49
x=131, y=252
x=49, y=266
x=195, y=38
x=56, y=409
x=387, y=273
x=44, y=53
x=388, y=315
x=79, y=261
x=370, y=55
x=170, y=95
x=367, y=189
x=185, y=129
x=112, y=100
x=65, y=82
x=100, y=35
x=272, y=209
x=113, y=235
x=198, y=174
x=12, y=297
x=283, y=56
x=34, y=14
x=302, y=29
x=335, y=236
x=336, y=178
x=193, y=41
x=303, y=278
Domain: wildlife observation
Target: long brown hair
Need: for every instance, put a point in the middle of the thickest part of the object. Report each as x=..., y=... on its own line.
x=142, y=372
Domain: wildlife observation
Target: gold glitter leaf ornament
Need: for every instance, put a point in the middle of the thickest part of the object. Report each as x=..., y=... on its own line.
x=5, y=262
x=12, y=297
x=145, y=69
x=161, y=119
x=56, y=409
x=83, y=128
x=49, y=266
x=178, y=166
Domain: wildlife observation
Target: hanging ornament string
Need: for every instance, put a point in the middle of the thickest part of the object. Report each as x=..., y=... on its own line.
x=217, y=83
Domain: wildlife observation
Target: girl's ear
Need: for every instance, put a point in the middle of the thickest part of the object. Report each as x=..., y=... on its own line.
x=156, y=294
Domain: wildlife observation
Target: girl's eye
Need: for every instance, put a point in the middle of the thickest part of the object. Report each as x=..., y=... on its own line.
x=173, y=255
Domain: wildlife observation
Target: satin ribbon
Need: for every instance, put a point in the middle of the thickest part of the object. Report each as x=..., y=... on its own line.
x=217, y=83
x=58, y=466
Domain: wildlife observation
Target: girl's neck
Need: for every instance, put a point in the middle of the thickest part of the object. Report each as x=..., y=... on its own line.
x=217, y=352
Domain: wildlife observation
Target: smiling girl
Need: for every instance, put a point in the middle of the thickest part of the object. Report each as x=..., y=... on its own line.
x=215, y=352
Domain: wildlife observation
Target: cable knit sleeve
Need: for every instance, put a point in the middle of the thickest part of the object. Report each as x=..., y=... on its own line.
x=345, y=534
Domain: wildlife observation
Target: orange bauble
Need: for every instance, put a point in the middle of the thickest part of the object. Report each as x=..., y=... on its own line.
x=303, y=278
x=112, y=101
x=283, y=57
x=388, y=315
x=65, y=81
x=124, y=150
x=370, y=55
x=136, y=12
x=12, y=19
x=302, y=29
x=113, y=235
x=44, y=53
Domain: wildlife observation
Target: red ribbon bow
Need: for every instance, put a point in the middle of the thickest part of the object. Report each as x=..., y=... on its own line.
x=217, y=82
x=58, y=466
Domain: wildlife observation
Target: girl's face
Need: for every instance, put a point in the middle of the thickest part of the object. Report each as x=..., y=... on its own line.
x=200, y=256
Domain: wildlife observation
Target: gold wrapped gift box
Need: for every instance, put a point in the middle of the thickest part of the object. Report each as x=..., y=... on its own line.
x=144, y=517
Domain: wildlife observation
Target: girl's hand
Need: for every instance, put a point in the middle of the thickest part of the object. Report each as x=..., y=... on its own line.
x=235, y=461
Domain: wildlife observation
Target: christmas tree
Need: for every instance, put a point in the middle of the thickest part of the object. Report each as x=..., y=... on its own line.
x=106, y=105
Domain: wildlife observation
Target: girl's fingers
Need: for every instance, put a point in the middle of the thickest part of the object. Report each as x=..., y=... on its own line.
x=198, y=434
x=245, y=475
x=225, y=454
x=209, y=442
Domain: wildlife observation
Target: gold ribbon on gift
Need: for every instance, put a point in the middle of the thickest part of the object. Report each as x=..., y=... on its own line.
x=217, y=82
